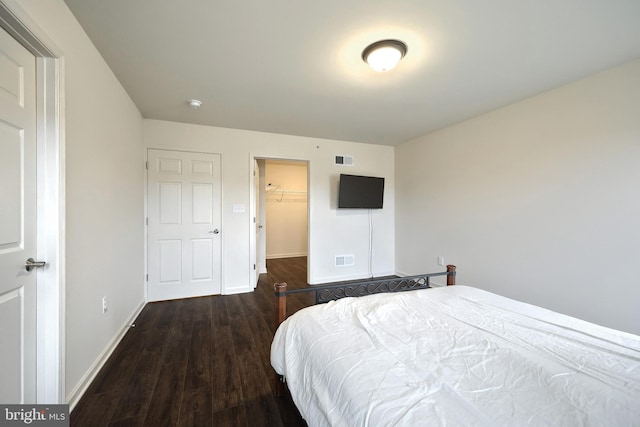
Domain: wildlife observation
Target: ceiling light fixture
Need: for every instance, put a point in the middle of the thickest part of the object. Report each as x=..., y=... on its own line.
x=194, y=103
x=384, y=55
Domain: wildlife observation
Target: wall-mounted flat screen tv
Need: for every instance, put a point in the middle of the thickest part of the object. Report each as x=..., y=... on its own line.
x=360, y=192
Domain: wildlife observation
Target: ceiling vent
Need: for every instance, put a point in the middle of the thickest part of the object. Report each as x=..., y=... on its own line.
x=344, y=160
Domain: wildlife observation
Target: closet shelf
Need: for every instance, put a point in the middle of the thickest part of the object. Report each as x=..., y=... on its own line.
x=276, y=192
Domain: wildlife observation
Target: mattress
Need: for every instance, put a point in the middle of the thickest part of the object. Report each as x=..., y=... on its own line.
x=455, y=356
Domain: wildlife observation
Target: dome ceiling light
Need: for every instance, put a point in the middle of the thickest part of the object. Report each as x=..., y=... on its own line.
x=384, y=55
x=194, y=103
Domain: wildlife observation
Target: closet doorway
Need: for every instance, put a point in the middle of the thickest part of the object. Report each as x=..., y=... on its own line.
x=282, y=211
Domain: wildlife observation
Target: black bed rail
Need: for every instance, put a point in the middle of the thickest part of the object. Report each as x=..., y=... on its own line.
x=337, y=291
x=326, y=293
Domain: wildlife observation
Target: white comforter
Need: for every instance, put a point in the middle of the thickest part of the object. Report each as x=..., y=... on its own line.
x=455, y=356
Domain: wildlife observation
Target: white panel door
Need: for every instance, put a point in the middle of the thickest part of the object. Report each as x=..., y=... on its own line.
x=183, y=202
x=17, y=222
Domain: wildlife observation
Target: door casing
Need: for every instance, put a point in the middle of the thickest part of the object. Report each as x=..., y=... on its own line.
x=50, y=327
x=254, y=200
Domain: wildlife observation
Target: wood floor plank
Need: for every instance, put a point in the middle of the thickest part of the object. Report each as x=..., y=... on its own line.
x=94, y=410
x=164, y=321
x=183, y=321
x=117, y=371
x=196, y=408
x=249, y=351
x=219, y=315
x=226, y=384
x=232, y=417
x=179, y=336
x=255, y=381
x=242, y=336
x=136, y=396
x=164, y=407
x=233, y=303
x=198, y=373
x=201, y=308
x=128, y=422
x=261, y=333
x=263, y=412
x=177, y=351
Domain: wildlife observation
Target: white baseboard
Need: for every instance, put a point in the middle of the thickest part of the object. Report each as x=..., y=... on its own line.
x=291, y=255
x=240, y=290
x=78, y=391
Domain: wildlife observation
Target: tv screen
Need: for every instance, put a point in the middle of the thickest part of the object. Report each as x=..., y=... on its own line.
x=360, y=192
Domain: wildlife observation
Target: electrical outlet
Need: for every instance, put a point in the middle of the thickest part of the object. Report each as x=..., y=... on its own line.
x=440, y=260
x=104, y=305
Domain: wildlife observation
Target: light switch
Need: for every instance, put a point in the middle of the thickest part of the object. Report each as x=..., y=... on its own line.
x=238, y=209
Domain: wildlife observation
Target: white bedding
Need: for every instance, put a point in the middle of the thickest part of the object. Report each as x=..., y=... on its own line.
x=455, y=356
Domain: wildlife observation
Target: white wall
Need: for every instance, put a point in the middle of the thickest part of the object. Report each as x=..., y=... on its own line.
x=286, y=205
x=538, y=201
x=332, y=232
x=104, y=195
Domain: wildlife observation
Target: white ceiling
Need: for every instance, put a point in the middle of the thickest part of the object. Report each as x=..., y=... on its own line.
x=294, y=67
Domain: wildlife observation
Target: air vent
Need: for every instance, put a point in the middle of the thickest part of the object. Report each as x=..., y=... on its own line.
x=344, y=160
x=345, y=260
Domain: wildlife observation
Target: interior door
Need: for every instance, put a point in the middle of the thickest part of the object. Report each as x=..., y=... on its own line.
x=184, y=234
x=17, y=222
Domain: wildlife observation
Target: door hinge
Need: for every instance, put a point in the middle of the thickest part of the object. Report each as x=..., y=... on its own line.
x=147, y=277
x=146, y=165
x=254, y=266
x=254, y=219
x=146, y=221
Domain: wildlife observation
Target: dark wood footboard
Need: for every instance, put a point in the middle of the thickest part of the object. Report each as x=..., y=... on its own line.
x=333, y=292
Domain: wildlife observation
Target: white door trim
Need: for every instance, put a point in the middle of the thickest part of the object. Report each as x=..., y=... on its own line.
x=50, y=369
x=253, y=252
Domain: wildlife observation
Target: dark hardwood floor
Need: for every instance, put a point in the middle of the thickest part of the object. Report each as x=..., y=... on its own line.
x=198, y=362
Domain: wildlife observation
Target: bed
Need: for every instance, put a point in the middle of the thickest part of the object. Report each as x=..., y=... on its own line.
x=453, y=355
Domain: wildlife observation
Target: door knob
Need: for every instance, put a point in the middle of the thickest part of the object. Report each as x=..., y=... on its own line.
x=216, y=231
x=31, y=264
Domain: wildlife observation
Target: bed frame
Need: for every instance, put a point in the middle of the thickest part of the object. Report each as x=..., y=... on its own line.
x=337, y=291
